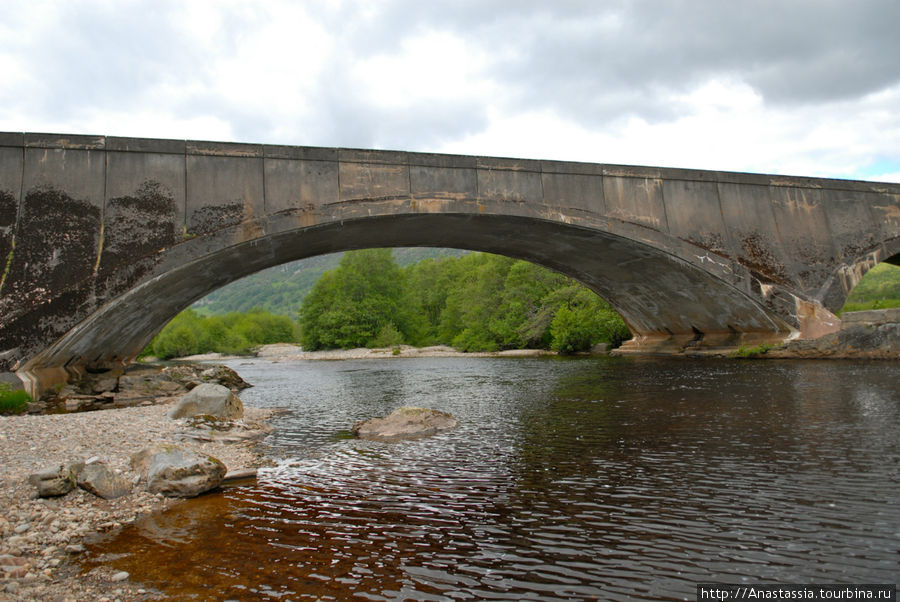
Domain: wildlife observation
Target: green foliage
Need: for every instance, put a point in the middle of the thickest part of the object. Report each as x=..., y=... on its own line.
x=878, y=289
x=475, y=302
x=584, y=320
x=751, y=352
x=388, y=336
x=281, y=289
x=189, y=333
x=350, y=306
x=877, y=304
x=12, y=401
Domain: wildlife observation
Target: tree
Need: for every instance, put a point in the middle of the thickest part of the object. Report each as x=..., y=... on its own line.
x=350, y=305
x=189, y=333
x=585, y=320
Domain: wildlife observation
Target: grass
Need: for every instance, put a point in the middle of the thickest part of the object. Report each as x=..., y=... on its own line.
x=755, y=351
x=878, y=289
x=866, y=305
x=13, y=402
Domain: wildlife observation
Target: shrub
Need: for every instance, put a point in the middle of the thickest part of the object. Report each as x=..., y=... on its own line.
x=13, y=401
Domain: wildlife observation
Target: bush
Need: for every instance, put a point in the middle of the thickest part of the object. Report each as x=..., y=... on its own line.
x=190, y=333
x=388, y=336
x=13, y=401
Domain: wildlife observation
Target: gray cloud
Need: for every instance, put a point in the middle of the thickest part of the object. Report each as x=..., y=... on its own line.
x=588, y=61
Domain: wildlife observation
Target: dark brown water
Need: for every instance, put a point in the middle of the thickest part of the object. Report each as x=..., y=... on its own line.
x=566, y=480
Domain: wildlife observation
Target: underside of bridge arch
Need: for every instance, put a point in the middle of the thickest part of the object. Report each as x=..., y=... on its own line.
x=850, y=274
x=660, y=296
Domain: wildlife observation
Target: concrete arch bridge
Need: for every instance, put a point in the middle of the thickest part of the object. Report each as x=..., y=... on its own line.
x=103, y=240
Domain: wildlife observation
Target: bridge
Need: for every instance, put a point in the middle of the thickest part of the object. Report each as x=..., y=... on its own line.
x=104, y=239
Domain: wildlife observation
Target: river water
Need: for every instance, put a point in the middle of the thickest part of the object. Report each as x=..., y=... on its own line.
x=567, y=479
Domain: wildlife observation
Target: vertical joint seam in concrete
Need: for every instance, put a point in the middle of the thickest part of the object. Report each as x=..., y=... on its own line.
x=409, y=189
x=103, y=208
x=604, y=210
x=771, y=205
x=729, y=241
x=541, y=178
x=184, y=215
x=662, y=195
x=7, y=261
x=262, y=163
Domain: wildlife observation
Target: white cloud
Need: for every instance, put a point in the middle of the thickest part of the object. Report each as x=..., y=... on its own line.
x=429, y=67
x=885, y=177
x=636, y=84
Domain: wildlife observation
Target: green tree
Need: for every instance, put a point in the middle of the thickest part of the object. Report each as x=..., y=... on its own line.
x=583, y=321
x=349, y=306
x=190, y=333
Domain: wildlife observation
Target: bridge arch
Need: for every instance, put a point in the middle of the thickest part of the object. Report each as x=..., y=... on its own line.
x=616, y=268
x=108, y=238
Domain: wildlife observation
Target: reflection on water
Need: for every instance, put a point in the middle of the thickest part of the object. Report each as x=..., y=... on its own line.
x=566, y=479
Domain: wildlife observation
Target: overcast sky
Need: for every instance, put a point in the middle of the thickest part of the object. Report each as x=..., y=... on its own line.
x=807, y=87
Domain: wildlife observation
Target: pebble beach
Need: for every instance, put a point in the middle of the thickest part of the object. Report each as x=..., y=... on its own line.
x=41, y=538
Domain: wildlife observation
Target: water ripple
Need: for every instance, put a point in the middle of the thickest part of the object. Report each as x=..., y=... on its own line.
x=566, y=480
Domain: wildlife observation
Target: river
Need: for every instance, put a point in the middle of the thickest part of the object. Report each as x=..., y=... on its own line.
x=567, y=479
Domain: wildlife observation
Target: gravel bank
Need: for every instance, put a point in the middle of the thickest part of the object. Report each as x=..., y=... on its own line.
x=41, y=538
x=283, y=352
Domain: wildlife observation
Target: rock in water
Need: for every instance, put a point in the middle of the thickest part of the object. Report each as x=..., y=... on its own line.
x=56, y=481
x=403, y=423
x=97, y=478
x=180, y=473
x=210, y=399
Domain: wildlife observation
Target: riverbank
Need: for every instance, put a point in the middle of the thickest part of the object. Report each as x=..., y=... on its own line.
x=287, y=352
x=40, y=539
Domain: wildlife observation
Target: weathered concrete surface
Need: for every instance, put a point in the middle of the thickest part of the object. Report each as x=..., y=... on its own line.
x=105, y=239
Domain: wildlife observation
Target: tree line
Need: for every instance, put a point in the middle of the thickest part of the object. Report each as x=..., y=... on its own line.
x=473, y=302
x=190, y=333
x=477, y=302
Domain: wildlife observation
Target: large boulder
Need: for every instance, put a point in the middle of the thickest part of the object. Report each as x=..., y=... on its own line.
x=56, y=481
x=211, y=400
x=191, y=375
x=404, y=423
x=180, y=473
x=99, y=479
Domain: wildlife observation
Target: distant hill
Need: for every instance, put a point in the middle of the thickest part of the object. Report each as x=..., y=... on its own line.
x=281, y=289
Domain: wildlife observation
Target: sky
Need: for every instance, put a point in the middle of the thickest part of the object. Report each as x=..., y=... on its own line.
x=797, y=87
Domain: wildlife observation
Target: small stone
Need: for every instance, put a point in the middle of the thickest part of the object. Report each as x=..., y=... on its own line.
x=21, y=528
x=98, y=479
x=56, y=481
x=120, y=576
x=16, y=572
x=75, y=548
